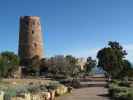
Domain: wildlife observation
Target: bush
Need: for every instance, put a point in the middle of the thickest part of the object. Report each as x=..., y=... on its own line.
x=116, y=81
x=10, y=92
x=121, y=83
x=114, y=89
x=76, y=83
x=33, y=88
x=120, y=91
x=130, y=96
x=125, y=84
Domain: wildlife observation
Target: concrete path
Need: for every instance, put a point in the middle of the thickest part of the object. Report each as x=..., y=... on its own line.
x=88, y=93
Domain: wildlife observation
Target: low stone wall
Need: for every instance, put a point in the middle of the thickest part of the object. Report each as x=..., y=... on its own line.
x=31, y=89
x=37, y=96
x=1, y=95
x=61, y=90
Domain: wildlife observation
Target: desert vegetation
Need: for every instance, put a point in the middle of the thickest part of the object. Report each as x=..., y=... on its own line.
x=41, y=90
x=9, y=63
x=121, y=90
x=112, y=60
x=65, y=73
x=118, y=70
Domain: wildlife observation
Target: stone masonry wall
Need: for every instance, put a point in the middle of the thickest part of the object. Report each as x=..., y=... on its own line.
x=30, y=38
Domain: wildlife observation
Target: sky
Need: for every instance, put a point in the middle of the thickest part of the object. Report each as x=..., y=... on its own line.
x=77, y=27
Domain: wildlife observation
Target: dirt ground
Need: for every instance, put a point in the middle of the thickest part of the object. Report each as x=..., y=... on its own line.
x=88, y=93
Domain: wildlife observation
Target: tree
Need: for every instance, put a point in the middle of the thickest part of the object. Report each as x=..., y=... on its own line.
x=90, y=64
x=70, y=59
x=34, y=66
x=64, y=66
x=57, y=65
x=9, y=62
x=127, y=70
x=73, y=67
x=43, y=66
x=110, y=59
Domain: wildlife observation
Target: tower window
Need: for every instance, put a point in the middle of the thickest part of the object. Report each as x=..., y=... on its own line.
x=35, y=45
x=26, y=22
x=32, y=32
x=33, y=22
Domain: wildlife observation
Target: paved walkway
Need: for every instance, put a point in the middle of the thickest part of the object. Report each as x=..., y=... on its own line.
x=88, y=93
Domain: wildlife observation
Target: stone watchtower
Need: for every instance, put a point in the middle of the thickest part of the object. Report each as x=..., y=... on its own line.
x=30, y=39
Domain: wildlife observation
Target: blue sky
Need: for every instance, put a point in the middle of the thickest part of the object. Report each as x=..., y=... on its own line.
x=77, y=27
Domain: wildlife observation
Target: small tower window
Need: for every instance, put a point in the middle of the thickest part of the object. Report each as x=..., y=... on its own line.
x=26, y=22
x=33, y=22
x=35, y=45
x=32, y=31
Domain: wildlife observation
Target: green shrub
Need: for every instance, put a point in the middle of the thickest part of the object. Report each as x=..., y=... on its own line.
x=121, y=83
x=120, y=91
x=33, y=88
x=43, y=88
x=116, y=81
x=121, y=96
x=10, y=92
x=124, y=83
x=114, y=89
x=124, y=96
x=53, y=85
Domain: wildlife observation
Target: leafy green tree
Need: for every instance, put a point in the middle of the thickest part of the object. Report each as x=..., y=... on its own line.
x=127, y=70
x=73, y=67
x=130, y=73
x=70, y=59
x=66, y=66
x=90, y=64
x=57, y=65
x=110, y=59
x=9, y=62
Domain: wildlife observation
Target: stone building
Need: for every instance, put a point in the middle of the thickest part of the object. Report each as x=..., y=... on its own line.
x=30, y=39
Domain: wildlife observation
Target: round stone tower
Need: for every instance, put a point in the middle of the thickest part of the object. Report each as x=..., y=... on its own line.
x=30, y=39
